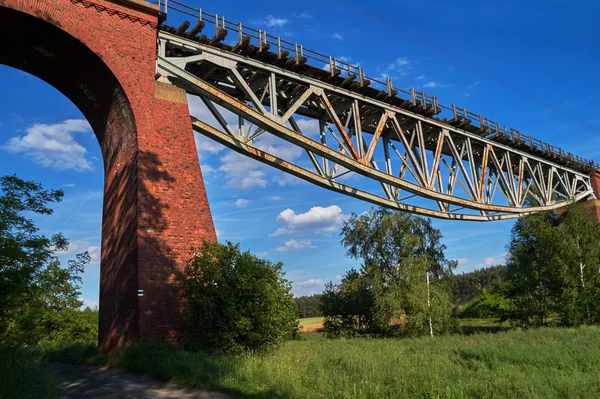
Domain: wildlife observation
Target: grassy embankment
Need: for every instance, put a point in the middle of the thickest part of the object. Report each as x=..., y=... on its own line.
x=543, y=363
x=23, y=374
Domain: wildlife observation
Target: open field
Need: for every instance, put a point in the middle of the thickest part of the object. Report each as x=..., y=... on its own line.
x=543, y=363
x=311, y=324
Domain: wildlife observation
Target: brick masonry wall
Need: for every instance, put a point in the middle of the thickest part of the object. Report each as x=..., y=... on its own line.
x=595, y=204
x=101, y=54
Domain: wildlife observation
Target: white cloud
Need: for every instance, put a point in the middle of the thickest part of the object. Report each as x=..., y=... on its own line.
x=273, y=22
x=242, y=172
x=278, y=147
x=309, y=127
x=433, y=84
x=420, y=77
x=207, y=169
x=206, y=146
x=462, y=261
x=284, y=179
x=79, y=246
x=279, y=232
x=242, y=203
x=337, y=36
x=293, y=245
x=89, y=303
x=69, y=185
x=318, y=219
x=311, y=282
x=493, y=260
x=94, y=252
x=54, y=146
x=275, y=198
x=305, y=15
x=398, y=67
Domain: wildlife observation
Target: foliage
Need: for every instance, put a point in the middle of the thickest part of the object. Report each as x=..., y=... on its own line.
x=553, y=268
x=542, y=363
x=234, y=301
x=485, y=305
x=466, y=286
x=309, y=306
x=349, y=307
x=405, y=277
x=38, y=297
x=24, y=375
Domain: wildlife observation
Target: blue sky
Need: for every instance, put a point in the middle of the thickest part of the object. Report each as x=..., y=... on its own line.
x=471, y=53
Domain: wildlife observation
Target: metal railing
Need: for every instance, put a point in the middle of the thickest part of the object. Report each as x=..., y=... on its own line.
x=339, y=67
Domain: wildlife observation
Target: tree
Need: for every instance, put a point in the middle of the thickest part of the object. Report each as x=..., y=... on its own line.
x=553, y=267
x=36, y=292
x=234, y=301
x=466, y=286
x=404, y=267
x=309, y=306
x=349, y=308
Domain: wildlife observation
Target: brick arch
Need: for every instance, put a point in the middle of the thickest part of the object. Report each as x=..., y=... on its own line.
x=101, y=54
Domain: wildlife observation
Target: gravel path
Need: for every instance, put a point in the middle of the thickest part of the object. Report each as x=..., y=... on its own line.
x=92, y=382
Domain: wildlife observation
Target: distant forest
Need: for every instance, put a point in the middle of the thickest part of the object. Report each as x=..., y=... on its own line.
x=466, y=286
x=309, y=306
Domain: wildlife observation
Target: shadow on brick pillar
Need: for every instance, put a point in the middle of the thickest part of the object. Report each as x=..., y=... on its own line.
x=101, y=54
x=594, y=204
x=173, y=211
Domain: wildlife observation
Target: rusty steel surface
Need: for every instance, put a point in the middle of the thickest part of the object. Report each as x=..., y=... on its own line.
x=449, y=172
x=260, y=45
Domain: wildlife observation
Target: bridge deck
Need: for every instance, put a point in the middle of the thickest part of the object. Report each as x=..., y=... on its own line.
x=355, y=81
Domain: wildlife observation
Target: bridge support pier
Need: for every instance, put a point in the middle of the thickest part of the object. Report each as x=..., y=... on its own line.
x=155, y=210
x=101, y=54
x=594, y=205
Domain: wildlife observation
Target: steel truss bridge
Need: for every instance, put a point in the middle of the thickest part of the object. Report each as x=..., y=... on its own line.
x=403, y=144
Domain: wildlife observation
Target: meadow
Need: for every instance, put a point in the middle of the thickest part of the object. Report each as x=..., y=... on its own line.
x=541, y=363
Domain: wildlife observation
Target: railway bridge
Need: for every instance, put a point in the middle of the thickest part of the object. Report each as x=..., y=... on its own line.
x=129, y=68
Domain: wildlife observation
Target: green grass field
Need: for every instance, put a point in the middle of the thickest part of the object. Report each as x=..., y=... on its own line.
x=543, y=363
x=311, y=320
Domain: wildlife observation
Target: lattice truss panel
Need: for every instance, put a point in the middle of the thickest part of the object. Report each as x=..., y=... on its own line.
x=360, y=146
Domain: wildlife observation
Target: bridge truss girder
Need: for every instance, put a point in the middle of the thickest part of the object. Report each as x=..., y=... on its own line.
x=464, y=176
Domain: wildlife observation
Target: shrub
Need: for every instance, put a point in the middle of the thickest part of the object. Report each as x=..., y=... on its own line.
x=234, y=301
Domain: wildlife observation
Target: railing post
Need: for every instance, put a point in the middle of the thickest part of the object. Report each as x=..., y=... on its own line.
x=278, y=47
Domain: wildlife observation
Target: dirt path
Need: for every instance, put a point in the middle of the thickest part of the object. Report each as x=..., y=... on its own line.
x=92, y=382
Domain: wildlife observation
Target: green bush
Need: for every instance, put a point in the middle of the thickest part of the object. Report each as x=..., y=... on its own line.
x=234, y=301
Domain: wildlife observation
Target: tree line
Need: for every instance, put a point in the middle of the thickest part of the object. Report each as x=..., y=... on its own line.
x=552, y=271
x=39, y=297
x=234, y=301
x=406, y=286
x=309, y=306
x=404, y=283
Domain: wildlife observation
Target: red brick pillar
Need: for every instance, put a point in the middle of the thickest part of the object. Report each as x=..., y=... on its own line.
x=174, y=214
x=102, y=55
x=595, y=204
